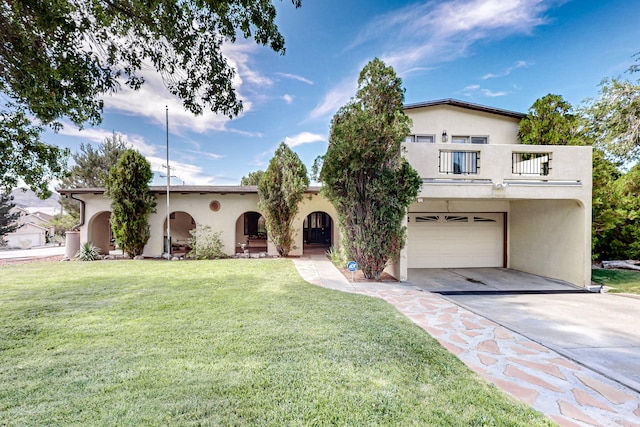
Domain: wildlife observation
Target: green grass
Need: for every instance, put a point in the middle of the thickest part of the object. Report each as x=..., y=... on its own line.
x=622, y=281
x=233, y=342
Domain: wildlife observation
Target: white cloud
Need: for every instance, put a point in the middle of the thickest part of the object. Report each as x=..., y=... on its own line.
x=475, y=90
x=492, y=94
x=295, y=77
x=152, y=98
x=507, y=71
x=98, y=135
x=288, y=98
x=238, y=55
x=212, y=156
x=432, y=32
x=423, y=34
x=304, y=138
x=151, y=102
x=261, y=160
x=187, y=173
x=334, y=99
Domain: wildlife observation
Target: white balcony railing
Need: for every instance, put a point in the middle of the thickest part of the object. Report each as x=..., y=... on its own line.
x=499, y=163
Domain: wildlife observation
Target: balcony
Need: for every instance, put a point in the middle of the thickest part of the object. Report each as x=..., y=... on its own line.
x=502, y=166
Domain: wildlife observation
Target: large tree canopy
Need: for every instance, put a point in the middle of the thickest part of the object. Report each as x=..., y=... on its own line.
x=253, y=178
x=58, y=58
x=363, y=172
x=91, y=169
x=551, y=121
x=614, y=118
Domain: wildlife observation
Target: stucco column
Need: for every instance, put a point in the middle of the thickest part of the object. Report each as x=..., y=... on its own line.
x=402, y=258
x=72, y=244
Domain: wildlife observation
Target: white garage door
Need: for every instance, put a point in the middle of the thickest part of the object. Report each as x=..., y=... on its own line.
x=455, y=240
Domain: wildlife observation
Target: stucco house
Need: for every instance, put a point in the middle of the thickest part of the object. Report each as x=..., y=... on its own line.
x=486, y=201
x=33, y=229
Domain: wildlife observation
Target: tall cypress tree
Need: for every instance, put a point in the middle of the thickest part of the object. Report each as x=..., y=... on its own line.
x=364, y=174
x=280, y=191
x=132, y=202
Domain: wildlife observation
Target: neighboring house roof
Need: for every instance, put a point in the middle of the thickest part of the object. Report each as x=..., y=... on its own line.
x=45, y=212
x=28, y=227
x=22, y=211
x=36, y=218
x=467, y=105
x=187, y=189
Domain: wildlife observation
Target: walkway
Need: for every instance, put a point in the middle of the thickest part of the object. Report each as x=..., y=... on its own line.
x=570, y=394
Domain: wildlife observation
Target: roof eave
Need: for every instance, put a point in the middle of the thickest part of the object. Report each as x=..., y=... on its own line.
x=467, y=105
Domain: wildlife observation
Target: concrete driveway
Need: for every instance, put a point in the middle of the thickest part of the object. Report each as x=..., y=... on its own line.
x=448, y=281
x=600, y=331
x=37, y=252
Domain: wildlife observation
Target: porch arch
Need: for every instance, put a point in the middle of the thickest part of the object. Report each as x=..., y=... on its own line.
x=317, y=231
x=99, y=232
x=251, y=231
x=181, y=225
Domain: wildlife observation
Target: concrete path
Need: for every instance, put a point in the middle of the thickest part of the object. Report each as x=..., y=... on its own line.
x=563, y=389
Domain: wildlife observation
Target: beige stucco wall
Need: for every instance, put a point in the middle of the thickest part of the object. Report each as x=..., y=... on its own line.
x=568, y=165
x=95, y=204
x=463, y=122
x=98, y=231
x=232, y=207
x=228, y=219
x=551, y=238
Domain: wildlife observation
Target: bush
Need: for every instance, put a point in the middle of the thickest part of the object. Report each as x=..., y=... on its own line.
x=205, y=244
x=338, y=256
x=88, y=252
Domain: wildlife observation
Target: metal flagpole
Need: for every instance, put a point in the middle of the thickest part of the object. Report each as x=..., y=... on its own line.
x=168, y=188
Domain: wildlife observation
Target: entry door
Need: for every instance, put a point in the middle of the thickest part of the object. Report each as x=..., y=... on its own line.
x=317, y=228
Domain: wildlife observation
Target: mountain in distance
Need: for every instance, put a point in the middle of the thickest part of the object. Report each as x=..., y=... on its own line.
x=28, y=198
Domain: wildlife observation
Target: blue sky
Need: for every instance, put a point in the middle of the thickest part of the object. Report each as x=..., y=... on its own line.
x=501, y=53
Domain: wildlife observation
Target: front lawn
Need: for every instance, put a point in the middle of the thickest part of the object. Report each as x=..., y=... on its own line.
x=626, y=281
x=233, y=342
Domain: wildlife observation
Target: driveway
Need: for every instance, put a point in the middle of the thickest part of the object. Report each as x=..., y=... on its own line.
x=37, y=252
x=600, y=331
x=449, y=281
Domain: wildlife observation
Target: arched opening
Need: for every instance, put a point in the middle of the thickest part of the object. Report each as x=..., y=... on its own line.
x=251, y=233
x=316, y=232
x=181, y=225
x=100, y=234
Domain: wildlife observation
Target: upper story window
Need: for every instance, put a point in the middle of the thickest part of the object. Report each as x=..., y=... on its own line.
x=470, y=139
x=420, y=138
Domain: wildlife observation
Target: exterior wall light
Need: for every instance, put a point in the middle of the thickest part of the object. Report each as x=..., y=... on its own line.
x=444, y=136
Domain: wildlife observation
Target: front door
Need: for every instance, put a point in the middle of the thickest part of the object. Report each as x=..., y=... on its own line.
x=317, y=228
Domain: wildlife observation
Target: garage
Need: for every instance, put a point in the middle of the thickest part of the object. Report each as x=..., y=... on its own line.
x=456, y=240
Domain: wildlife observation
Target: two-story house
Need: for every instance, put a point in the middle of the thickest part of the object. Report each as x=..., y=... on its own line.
x=489, y=201
x=486, y=201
